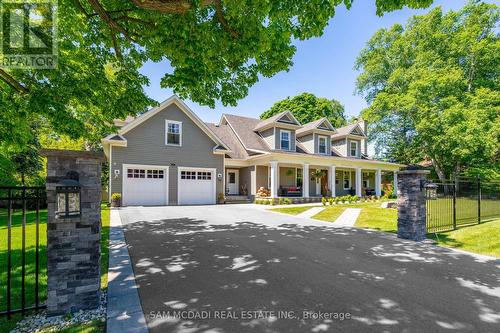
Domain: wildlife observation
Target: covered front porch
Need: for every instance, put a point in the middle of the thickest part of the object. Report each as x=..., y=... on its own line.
x=275, y=179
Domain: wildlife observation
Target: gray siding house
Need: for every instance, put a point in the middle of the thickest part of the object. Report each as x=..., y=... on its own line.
x=169, y=156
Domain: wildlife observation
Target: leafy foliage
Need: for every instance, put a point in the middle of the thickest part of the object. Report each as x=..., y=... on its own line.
x=306, y=107
x=433, y=89
x=217, y=49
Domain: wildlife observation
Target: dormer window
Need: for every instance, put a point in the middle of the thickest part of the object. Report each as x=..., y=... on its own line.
x=173, y=136
x=353, y=148
x=284, y=140
x=322, y=144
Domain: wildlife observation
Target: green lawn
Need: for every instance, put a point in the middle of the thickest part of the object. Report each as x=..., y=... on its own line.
x=7, y=325
x=483, y=238
x=16, y=254
x=292, y=210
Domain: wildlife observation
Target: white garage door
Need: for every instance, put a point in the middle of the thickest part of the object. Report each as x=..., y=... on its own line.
x=144, y=185
x=196, y=186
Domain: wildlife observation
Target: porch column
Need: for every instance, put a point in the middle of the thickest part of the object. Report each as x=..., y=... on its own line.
x=274, y=179
x=305, y=180
x=358, y=182
x=331, y=182
x=378, y=182
x=395, y=187
x=253, y=180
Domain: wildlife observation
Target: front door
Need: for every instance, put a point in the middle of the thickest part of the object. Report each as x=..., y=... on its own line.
x=232, y=183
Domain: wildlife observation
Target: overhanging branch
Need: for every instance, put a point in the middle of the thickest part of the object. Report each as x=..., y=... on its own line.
x=12, y=82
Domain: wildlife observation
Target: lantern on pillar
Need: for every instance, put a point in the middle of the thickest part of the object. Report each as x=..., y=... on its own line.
x=68, y=196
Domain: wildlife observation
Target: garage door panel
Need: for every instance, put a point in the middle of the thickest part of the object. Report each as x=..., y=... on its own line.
x=196, y=186
x=145, y=186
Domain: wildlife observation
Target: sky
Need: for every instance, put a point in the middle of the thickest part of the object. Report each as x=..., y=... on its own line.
x=323, y=66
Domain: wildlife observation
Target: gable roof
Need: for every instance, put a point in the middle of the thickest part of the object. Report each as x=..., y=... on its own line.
x=243, y=128
x=237, y=151
x=174, y=99
x=322, y=124
x=349, y=129
x=283, y=117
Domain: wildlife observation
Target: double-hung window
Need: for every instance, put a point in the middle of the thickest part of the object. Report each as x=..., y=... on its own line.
x=347, y=180
x=353, y=148
x=322, y=144
x=174, y=133
x=285, y=140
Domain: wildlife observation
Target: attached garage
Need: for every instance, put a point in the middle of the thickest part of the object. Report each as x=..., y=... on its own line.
x=145, y=185
x=196, y=186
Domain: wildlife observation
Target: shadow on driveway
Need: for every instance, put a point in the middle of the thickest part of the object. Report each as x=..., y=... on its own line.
x=385, y=284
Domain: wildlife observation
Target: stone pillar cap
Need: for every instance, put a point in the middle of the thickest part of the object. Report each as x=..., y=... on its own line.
x=414, y=172
x=72, y=154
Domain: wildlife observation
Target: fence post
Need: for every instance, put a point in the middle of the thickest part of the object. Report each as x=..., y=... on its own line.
x=478, y=200
x=411, y=204
x=455, y=205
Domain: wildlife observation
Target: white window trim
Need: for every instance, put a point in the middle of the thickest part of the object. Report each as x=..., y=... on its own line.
x=343, y=178
x=167, y=121
x=326, y=144
x=289, y=139
x=350, y=148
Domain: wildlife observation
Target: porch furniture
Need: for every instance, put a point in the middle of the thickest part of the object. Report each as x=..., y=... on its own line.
x=369, y=192
x=290, y=191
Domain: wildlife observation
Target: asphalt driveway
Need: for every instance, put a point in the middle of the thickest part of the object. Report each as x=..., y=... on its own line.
x=207, y=268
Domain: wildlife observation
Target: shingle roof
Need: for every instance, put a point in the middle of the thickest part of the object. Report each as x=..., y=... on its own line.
x=273, y=119
x=310, y=126
x=227, y=136
x=244, y=127
x=341, y=131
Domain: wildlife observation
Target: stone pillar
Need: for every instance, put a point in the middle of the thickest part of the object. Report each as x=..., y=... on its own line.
x=395, y=184
x=73, y=243
x=305, y=180
x=332, y=180
x=274, y=179
x=378, y=182
x=411, y=204
x=359, y=177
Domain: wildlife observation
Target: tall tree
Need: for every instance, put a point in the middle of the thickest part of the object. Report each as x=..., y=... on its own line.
x=306, y=107
x=433, y=89
x=217, y=49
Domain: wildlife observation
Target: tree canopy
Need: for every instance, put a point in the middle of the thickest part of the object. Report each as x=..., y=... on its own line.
x=433, y=89
x=306, y=107
x=217, y=49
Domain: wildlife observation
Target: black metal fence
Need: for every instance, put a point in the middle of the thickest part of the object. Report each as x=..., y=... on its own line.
x=460, y=203
x=23, y=276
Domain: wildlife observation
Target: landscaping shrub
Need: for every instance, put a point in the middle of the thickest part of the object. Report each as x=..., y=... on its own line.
x=330, y=201
x=323, y=201
x=286, y=201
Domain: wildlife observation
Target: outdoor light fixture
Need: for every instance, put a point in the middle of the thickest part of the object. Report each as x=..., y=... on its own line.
x=68, y=196
x=431, y=191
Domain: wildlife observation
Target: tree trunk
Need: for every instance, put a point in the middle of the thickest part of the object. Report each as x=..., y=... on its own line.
x=456, y=175
x=439, y=171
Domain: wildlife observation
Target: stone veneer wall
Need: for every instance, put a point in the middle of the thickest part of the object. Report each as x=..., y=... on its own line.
x=73, y=244
x=411, y=204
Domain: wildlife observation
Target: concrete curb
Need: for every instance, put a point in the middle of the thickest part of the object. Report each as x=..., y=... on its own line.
x=124, y=312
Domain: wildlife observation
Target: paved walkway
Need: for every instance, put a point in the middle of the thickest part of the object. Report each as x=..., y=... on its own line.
x=124, y=313
x=310, y=212
x=348, y=217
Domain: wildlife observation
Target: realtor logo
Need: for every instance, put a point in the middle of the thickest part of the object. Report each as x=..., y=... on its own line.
x=28, y=34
